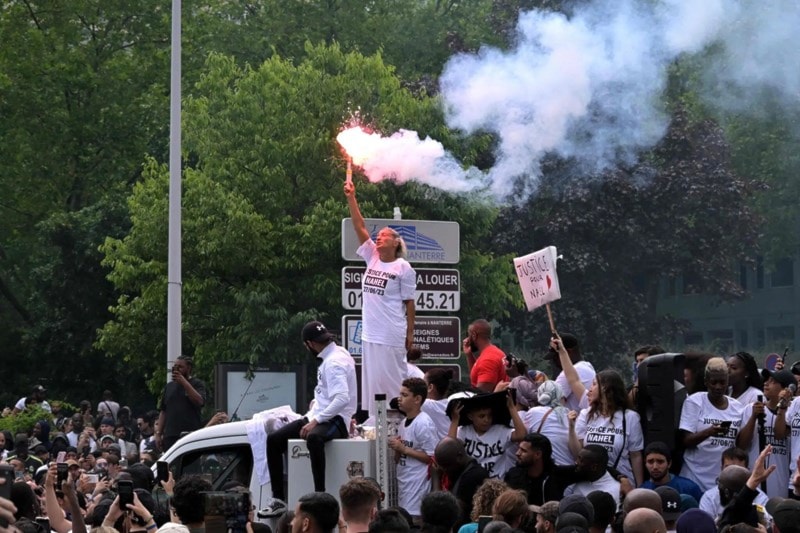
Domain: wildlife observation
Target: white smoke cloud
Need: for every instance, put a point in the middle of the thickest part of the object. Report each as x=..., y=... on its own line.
x=404, y=156
x=761, y=55
x=589, y=86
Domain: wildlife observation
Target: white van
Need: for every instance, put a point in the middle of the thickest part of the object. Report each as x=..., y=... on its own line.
x=223, y=453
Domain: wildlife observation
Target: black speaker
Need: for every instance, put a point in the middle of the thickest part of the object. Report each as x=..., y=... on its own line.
x=660, y=399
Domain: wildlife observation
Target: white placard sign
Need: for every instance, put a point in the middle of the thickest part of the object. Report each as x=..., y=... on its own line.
x=267, y=390
x=537, y=277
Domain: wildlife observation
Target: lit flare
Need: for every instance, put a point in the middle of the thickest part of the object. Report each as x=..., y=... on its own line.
x=358, y=144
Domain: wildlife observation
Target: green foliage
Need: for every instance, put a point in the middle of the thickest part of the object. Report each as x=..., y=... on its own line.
x=763, y=137
x=765, y=147
x=262, y=212
x=416, y=37
x=82, y=104
x=24, y=421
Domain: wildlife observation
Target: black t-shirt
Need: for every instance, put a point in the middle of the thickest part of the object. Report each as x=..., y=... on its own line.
x=465, y=487
x=547, y=487
x=180, y=413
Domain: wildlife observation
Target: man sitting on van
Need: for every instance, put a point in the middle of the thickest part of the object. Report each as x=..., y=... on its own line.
x=334, y=404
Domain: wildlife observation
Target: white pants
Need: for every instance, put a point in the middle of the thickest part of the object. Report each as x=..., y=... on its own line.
x=383, y=369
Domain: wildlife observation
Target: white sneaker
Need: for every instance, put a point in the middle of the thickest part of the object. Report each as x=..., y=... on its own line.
x=274, y=509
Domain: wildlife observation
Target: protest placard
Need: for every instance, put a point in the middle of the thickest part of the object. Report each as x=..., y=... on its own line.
x=537, y=277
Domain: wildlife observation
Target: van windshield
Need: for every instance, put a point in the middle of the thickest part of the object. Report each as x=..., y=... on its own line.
x=219, y=465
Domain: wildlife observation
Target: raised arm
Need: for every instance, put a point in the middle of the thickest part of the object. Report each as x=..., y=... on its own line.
x=573, y=442
x=355, y=213
x=455, y=414
x=745, y=437
x=574, y=380
x=58, y=522
x=519, y=426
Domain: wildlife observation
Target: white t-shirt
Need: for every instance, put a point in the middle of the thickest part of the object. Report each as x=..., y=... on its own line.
x=710, y=502
x=43, y=404
x=779, y=479
x=750, y=395
x=412, y=475
x=73, y=437
x=110, y=407
x=436, y=409
x=793, y=424
x=702, y=463
x=555, y=428
x=489, y=449
x=384, y=288
x=606, y=484
x=608, y=432
x=586, y=374
x=414, y=371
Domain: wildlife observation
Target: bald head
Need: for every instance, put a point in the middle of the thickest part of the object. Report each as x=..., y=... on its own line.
x=642, y=499
x=447, y=448
x=734, y=477
x=731, y=480
x=644, y=520
x=450, y=455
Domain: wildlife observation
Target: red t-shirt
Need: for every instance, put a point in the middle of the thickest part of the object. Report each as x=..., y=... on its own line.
x=489, y=367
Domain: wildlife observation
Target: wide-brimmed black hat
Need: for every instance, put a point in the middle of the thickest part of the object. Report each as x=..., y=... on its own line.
x=495, y=400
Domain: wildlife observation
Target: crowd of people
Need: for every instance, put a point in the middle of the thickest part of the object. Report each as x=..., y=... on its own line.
x=512, y=450
x=504, y=449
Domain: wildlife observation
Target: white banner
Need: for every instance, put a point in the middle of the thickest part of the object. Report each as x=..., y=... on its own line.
x=537, y=277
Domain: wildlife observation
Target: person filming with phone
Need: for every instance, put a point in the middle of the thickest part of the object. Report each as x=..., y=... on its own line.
x=181, y=403
x=710, y=423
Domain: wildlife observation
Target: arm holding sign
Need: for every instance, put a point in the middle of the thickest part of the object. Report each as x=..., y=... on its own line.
x=355, y=213
x=575, y=384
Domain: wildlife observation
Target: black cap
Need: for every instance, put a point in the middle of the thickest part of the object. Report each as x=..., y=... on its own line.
x=670, y=502
x=785, y=513
x=784, y=377
x=315, y=331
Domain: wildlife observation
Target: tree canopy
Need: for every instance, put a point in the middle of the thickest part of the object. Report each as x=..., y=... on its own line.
x=262, y=211
x=267, y=85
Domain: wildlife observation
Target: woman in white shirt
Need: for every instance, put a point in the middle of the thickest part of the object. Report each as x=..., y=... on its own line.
x=388, y=287
x=710, y=423
x=610, y=422
x=744, y=378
